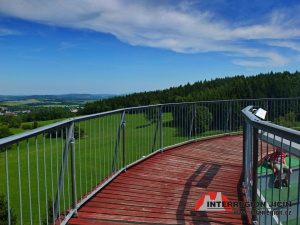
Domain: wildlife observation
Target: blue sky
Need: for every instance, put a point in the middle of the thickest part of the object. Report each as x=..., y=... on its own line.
x=125, y=46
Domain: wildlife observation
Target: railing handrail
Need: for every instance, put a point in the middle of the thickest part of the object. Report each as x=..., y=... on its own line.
x=284, y=132
x=27, y=134
x=252, y=149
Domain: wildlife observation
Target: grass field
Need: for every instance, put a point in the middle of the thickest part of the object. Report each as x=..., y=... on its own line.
x=33, y=165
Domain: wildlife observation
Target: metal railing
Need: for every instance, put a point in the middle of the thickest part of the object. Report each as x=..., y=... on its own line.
x=49, y=172
x=272, y=201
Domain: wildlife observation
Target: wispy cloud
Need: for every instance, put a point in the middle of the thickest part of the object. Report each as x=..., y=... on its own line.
x=180, y=27
x=6, y=31
x=286, y=44
x=66, y=45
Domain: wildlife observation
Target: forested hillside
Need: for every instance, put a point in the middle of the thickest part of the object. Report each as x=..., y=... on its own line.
x=270, y=85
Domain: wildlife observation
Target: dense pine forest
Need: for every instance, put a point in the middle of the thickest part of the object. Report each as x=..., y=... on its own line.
x=270, y=85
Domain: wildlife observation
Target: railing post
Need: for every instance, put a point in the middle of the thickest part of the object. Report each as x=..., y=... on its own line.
x=230, y=119
x=254, y=171
x=124, y=145
x=244, y=152
x=113, y=167
x=70, y=137
x=192, y=124
x=160, y=128
x=73, y=171
x=195, y=121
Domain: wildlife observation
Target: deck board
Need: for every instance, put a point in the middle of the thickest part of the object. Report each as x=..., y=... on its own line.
x=165, y=188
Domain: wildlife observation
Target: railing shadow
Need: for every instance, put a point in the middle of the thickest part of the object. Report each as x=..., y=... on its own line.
x=204, y=182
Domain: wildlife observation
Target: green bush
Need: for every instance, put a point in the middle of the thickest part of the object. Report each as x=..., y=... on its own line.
x=5, y=132
x=4, y=212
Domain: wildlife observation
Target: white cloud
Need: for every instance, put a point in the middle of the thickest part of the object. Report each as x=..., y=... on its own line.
x=181, y=28
x=270, y=59
x=286, y=44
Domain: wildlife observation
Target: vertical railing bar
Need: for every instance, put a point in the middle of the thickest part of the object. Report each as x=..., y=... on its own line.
x=209, y=130
x=186, y=125
x=161, y=130
x=57, y=176
x=99, y=150
x=107, y=149
x=219, y=116
x=244, y=152
x=181, y=124
x=7, y=185
x=195, y=122
x=62, y=158
x=254, y=171
x=80, y=158
x=225, y=119
x=124, y=143
x=95, y=152
x=90, y=148
x=85, y=158
x=138, y=135
x=20, y=184
x=68, y=176
x=280, y=175
x=267, y=165
x=143, y=134
x=274, y=175
x=52, y=178
x=130, y=156
x=147, y=136
x=113, y=134
x=224, y=114
x=73, y=172
x=202, y=117
x=45, y=175
x=154, y=128
x=230, y=119
x=180, y=109
x=182, y=121
x=37, y=178
x=260, y=183
x=289, y=182
x=298, y=202
x=29, y=181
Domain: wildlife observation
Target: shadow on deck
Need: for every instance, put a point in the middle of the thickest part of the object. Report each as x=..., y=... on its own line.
x=165, y=188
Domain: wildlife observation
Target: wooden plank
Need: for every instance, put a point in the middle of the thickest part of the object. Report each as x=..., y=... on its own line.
x=164, y=189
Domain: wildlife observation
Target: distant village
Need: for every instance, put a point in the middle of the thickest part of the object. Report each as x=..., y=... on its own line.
x=4, y=111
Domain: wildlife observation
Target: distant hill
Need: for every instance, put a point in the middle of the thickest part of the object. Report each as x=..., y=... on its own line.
x=77, y=97
x=269, y=85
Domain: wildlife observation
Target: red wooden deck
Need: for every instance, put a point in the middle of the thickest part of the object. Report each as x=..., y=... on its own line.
x=164, y=189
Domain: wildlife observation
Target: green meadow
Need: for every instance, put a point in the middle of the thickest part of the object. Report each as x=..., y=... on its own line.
x=33, y=166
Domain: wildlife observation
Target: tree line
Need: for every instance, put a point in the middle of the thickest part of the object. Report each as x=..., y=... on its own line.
x=12, y=121
x=269, y=85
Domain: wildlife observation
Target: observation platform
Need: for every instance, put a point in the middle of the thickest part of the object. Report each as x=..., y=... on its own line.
x=165, y=188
